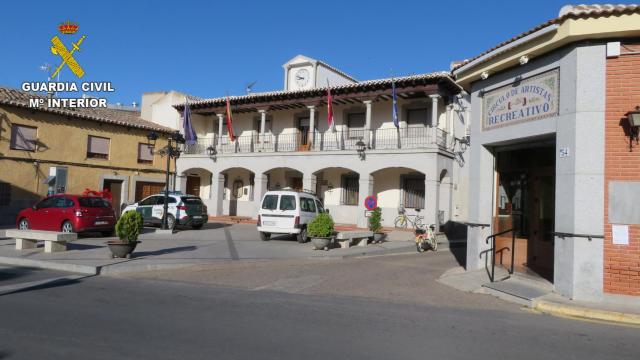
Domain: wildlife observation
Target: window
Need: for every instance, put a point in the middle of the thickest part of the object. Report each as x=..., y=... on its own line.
x=97, y=147
x=350, y=189
x=320, y=207
x=413, y=189
x=287, y=202
x=23, y=137
x=145, y=153
x=151, y=200
x=191, y=200
x=355, y=123
x=417, y=116
x=160, y=200
x=93, y=202
x=270, y=202
x=307, y=205
x=5, y=194
x=63, y=202
x=46, y=203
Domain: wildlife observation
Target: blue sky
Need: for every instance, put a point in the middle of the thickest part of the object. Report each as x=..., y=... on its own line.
x=209, y=48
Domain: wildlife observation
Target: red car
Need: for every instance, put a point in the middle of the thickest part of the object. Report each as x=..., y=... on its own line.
x=69, y=213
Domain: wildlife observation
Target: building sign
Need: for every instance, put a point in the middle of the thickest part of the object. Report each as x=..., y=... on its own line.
x=529, y=99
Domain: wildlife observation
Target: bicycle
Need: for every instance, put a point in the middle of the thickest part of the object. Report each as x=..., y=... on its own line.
x=403, y=220
x=426, y=239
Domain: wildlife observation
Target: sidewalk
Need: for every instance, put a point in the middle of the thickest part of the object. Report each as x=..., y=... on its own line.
x=538, y=294
x=214, y=243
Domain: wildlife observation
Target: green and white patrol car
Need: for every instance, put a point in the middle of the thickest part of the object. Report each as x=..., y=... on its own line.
x=185, y=210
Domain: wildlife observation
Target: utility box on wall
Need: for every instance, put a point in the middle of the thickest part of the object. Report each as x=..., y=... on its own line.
x=57, y=180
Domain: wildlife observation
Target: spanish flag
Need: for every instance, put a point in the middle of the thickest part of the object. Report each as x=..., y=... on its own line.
x=232, y=135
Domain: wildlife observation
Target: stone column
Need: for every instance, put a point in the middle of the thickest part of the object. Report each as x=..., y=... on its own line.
x=309, y=182
x=367, y=123
x=365, y=188
x=434, y=109
x=259, y=189
x=220, y=129
x=450, y=127
x=312, y=124
x=216, y=194
x=263, y=121
x=431, y=200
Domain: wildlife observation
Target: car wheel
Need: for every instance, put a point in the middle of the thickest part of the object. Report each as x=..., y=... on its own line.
x=67, y=227
x=23, y=224
x=302, y=236
x=196, y=226
x=265, y=236
x=171, y=222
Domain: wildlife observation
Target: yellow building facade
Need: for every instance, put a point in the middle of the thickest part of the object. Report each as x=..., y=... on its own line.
x=46, y=151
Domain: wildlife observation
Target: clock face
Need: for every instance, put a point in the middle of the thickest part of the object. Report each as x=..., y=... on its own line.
x=302, y=77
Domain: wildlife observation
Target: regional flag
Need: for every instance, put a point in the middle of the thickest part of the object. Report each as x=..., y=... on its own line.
x=232, y=135
x=189, y=134
x=330, y=109
x=395, y=104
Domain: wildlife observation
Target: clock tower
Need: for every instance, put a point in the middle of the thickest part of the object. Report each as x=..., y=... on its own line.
x=304, y=73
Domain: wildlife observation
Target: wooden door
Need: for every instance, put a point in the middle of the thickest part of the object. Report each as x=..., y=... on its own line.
x=144, y=189
x=193, y=185
x=541, y=238
x=115, y=188
x=296, y=183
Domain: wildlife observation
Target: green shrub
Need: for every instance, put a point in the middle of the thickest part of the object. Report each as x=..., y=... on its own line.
x=128, y=226
x=320, y=226
x=375, y=221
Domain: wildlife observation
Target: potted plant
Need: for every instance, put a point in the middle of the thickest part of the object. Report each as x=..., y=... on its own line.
x=320, y=230
x=375, y=225
x=128, y=229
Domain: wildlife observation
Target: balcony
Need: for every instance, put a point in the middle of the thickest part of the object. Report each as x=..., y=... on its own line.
x=422, y=137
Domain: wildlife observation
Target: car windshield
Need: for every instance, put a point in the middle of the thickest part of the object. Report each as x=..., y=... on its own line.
x=270, y=202
x=93, y=202
x=287, y=202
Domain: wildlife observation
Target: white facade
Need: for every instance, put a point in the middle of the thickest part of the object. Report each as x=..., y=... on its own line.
x=418, y=166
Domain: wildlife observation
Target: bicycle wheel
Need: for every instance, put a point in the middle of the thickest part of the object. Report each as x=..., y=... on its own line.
x=400, y=222
x=418, y=224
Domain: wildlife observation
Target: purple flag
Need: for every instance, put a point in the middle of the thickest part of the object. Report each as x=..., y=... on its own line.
x=189, y=134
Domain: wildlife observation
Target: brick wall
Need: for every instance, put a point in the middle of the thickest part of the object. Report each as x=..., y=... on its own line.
x=621, y=262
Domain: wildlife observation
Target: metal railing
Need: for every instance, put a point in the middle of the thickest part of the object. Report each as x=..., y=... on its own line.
x=347, y=139
x=493, y=251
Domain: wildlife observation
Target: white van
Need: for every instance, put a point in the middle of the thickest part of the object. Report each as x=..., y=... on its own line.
x=287, y=212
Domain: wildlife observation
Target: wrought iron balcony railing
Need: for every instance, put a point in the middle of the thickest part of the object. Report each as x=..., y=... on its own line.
x=389, y=138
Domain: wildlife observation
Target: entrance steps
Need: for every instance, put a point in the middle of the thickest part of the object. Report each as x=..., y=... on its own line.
x=520, y=288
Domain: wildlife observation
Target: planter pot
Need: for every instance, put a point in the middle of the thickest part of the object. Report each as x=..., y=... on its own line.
x=120, y=249
x=321, y=243
x=379, y=237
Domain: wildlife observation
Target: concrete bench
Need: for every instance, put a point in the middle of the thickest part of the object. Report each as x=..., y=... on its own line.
x=346, y=238
x=53, y=240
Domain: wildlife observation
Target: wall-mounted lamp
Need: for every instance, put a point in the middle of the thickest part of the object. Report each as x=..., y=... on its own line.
x=361, y=147
x=523, y=59
x=211, y=150
x=634, y=124
x=152, y=137
x=484, y=75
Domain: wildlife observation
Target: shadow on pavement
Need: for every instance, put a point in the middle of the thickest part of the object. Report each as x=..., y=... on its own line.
x=48, y=285
x=76, y=246
x=164, y=251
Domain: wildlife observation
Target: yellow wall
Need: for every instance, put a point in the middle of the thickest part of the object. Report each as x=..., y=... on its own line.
x=64, y=139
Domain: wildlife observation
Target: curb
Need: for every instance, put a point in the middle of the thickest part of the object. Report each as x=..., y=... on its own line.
x=558, y=309
x=40, y=264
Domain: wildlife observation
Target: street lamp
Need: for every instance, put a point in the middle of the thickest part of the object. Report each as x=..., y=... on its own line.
x=172, y=150
x=634, y=124
x=361, y=147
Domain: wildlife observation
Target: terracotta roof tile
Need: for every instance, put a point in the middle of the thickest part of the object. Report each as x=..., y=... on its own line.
x=18, y=98
x=567, y=12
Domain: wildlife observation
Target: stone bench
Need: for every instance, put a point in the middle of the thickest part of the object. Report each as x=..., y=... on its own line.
x=53, y=240
x=346, y=238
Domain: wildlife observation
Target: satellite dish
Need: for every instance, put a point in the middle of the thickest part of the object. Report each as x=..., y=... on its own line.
x=250, y=86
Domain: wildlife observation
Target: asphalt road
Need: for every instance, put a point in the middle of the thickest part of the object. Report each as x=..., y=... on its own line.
x=107, y=318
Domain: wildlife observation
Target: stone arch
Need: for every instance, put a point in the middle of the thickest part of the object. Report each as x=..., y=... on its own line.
x=196, y=181
x=284, y=177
